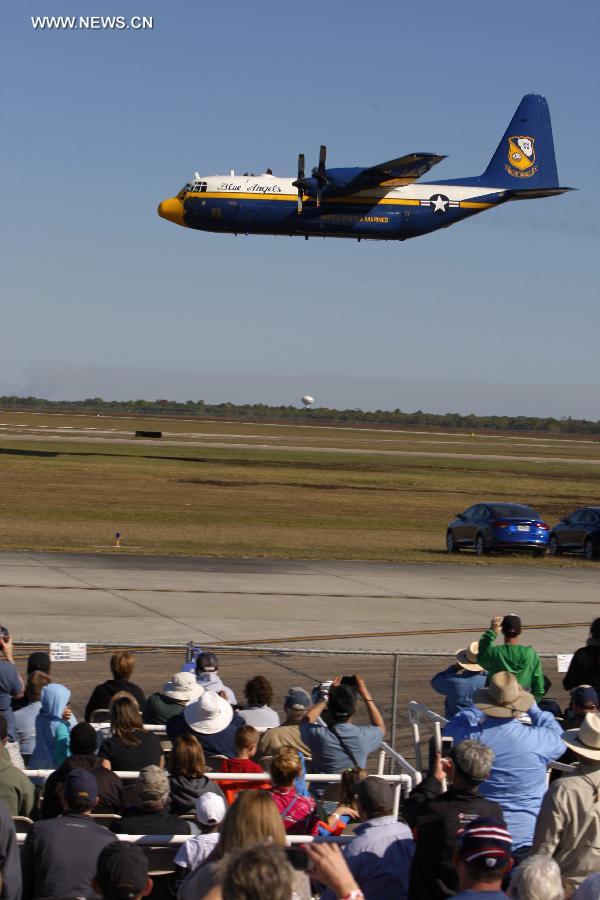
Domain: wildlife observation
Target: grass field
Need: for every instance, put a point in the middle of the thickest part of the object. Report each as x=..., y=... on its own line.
x=63, y=489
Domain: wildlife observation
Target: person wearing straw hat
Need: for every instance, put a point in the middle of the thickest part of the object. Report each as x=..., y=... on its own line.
x=459, y=681
x=213, y=723
x=521, y=752
x=176, y=693
x=568, y=826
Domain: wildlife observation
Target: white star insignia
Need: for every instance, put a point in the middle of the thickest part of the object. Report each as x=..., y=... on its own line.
x=439, y=204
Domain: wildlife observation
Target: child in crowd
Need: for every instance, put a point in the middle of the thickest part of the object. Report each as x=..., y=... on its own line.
x=246, y=745
x=210, y=812
x=52, y=728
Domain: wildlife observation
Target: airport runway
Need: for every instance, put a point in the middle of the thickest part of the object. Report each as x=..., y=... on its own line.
x=411, y=608
x=47, y=437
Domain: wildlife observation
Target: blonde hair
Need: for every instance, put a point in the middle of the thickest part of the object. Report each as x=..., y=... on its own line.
x=253, y=817
x=245, y=737
x=121, y=664
x=285, y=766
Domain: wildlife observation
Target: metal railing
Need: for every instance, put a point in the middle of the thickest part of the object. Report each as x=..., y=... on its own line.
x=417, y=713
x=402, y=782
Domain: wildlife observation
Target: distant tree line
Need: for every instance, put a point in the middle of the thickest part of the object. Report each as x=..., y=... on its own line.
x=321, y=415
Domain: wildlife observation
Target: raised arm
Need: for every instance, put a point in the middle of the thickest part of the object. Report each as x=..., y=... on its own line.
x=374, y=714
x=486, y=654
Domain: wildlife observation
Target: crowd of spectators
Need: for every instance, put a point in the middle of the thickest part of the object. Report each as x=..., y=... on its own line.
x=485, y=822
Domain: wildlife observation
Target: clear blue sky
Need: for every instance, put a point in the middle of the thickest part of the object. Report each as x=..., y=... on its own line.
x=103, y=298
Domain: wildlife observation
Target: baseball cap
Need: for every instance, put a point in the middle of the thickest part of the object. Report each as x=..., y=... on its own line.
x=297, y=698
x=511, y=624
x=121, y=870
x=80, y=785
x=485, y=843
x=342, y=701
x=584, y=695
x=206, y=662
x=210, y=808
x=373, y=793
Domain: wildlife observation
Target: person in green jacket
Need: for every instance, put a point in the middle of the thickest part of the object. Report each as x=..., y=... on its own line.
x=523, y=662
x=16, y=790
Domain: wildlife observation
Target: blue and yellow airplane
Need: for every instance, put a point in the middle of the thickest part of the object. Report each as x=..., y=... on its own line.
x=382, y=202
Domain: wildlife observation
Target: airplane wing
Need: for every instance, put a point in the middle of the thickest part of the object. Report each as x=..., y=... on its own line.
x=395, y=173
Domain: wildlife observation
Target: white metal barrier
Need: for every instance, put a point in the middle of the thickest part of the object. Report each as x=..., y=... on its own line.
x=165, y=840
x=417, y=713
x=387, y=752
x=400, y=782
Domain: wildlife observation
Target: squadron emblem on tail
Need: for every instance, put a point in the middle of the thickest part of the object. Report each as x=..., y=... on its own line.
x=521, y=157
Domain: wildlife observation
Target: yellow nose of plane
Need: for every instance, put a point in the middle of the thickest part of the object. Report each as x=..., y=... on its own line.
x=172, y=210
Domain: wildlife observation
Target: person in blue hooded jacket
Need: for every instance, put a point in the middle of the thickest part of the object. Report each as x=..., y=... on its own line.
x=459, y=681
x=521, y=751
x=52, y=728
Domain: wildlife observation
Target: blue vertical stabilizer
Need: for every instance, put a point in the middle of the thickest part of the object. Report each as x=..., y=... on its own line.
x=524, y=158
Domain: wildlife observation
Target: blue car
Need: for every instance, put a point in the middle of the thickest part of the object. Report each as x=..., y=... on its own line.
x=498, y=526
x=579, y=532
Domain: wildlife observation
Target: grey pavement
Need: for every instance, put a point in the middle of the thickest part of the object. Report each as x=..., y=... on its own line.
x=147, y=600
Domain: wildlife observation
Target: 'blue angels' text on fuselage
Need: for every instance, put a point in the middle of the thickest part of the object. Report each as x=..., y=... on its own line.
x=382, y=202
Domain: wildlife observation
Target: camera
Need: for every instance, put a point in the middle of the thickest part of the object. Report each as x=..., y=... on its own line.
x=4, y=633
x=320, y=693
x=297, y=858
x=350, y=680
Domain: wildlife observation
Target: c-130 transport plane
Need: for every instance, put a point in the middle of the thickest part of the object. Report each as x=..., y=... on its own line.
x=381, y=202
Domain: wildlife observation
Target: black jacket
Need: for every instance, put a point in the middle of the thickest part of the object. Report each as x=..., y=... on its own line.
x=583, y=669
x=185, y=792
x=110, y=786
x=103, y=694
x=435, y=818
x=59, y=856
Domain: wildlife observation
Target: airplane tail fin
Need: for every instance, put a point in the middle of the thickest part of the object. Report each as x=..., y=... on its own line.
x=525, y=157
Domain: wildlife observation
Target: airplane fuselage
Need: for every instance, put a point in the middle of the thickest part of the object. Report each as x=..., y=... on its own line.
x=265, y=204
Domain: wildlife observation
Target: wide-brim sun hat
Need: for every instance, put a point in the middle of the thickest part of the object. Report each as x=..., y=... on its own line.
x=183, y=686
x=467, y=658
x=585, y=740
x=209, y=714
x=504, y=698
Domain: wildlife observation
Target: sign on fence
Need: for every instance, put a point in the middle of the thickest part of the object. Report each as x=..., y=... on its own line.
x=563, y=661
x=62, y=651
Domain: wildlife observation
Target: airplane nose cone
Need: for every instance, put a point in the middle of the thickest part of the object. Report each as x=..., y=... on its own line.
x=172, y=210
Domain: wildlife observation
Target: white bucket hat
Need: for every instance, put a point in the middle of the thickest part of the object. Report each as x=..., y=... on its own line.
x=183, y=686
x=585, y=740
x=209, y=714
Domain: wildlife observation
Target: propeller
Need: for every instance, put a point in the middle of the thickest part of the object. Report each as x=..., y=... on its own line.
x=319, y=173
x=307, y=185
x=299, y=183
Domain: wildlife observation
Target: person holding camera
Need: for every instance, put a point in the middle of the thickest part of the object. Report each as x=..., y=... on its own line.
x=337, y=743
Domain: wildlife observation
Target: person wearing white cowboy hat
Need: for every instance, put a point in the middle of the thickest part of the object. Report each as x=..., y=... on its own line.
x=213, y=723
x=459, y=681
x=522, y=752
x=176, y=693
x=568, y=826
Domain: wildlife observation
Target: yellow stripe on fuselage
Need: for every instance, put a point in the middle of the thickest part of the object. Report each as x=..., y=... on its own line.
x=368, y=201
